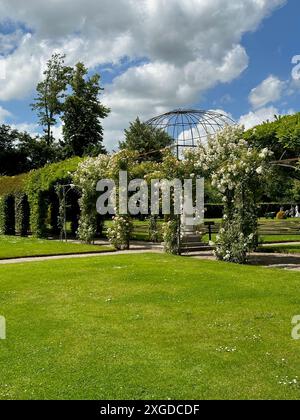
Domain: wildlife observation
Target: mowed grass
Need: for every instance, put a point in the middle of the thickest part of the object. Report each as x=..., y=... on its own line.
x=148, y=327
x=16, y=247
x=141, y=231
x=282, y=249
x=279, y=238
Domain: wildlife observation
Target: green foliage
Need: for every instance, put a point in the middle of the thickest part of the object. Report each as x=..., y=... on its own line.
x=22, y=214
x=288, y=133
x=40, y=184
x=171, y=235
x=120, y=231
x=50, y=94
x=13, y=184
x=83, y=132
x=154, y=233
x=147, y=141
x=44, y=179
x=86, y=177
x=20, y=152
x=10, y=157
x=237, y=171
x=295, y=192
x=37, y=151
x=7, y=215
x=281, y=136
x=54, y=213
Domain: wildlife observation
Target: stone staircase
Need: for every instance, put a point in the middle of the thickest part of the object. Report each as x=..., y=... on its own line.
x=192, y=243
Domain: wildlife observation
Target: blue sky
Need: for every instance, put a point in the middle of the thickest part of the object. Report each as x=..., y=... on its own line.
x=270, y=50
x=156, y=55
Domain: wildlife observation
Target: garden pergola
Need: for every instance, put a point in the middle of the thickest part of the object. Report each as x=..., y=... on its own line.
x=189, y=127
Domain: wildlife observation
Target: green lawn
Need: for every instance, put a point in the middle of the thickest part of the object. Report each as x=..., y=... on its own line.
x=15, y=247
x=279, y=238
x=282, y=249
x=148, y=327
x=141, y=230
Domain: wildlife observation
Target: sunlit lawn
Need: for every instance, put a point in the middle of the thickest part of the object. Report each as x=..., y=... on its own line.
x=141, y=231
x=282, y=249
x=148, y=327
x=14, y=247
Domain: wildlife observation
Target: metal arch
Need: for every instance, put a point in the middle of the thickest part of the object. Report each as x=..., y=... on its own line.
x=185, y=125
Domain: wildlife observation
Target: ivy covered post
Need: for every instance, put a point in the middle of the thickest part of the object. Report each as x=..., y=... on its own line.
x=153, y=229
x=171, y=235
x=120, y=232
x=22, y=211
x=54, y=214
x=38, y=214
x=237, y=170
x=88, y=174
x=7, y=215
x=172, y=169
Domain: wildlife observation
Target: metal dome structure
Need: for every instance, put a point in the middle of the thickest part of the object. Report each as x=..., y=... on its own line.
x=188, y=127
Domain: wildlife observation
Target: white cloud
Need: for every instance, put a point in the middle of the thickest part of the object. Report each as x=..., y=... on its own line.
x=22, y=70
x=189, y=46
x=3, y=115
x=269, y=91
x=57, y=131
x=258, y=117
x=30, y=128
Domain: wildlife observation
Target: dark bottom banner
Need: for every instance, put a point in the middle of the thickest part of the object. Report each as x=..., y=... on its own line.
x=123, y=409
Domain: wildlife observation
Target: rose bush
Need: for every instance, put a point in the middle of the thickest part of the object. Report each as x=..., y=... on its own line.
x=236, y=170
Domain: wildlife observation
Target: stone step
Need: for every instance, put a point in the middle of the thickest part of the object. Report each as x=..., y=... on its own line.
x=189, y=250
x=191, y=238
x=192, y=244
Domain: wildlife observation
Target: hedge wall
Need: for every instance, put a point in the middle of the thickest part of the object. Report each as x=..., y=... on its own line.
x=25, y=200
x=40, y=186
x=12, y=185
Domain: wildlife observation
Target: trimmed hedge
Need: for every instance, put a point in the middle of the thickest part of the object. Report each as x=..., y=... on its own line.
x=7, y=215
x=40, y=186
x=25, y=199
x=13, y=184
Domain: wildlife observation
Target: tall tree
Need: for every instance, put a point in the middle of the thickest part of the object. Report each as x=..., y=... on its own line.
x=148, y=141
x=51, y=92
x=37, y=152
x=83, y=111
